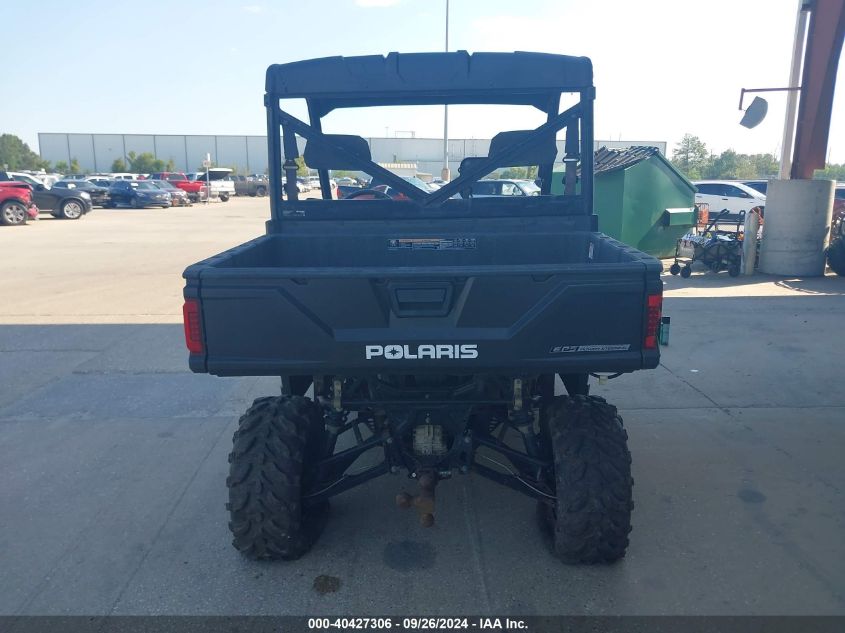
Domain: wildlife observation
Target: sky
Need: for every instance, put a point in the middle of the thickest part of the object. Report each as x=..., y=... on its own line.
x=662, y=68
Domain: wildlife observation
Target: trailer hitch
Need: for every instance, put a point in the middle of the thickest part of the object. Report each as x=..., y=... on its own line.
x=424, y=501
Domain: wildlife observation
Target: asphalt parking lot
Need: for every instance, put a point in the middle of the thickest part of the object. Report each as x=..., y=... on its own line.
x=113, y=455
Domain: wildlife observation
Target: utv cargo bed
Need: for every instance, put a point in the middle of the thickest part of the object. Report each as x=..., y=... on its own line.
x=523, y=293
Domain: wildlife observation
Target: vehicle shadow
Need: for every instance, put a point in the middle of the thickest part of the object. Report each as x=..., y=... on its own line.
x=829, y=284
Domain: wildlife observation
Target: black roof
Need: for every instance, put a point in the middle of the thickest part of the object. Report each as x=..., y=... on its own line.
x=606, y=159
x=426, y=78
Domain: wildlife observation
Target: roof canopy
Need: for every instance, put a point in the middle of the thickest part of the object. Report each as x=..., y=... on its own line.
x=431, y=78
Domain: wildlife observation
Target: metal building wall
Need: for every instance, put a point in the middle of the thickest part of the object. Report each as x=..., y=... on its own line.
x=248, y=154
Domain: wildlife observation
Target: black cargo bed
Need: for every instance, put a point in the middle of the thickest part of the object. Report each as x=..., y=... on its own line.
x=291, y=304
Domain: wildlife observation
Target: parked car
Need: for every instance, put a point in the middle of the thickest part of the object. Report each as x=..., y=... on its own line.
x=218, y=179
x=497, y=187
x=378, y=189
x=344, y=190
x=6, y=176
x=758, y=185
x=138, y=194
x=196, y=190
x=49, y=179
x=251, y=186
x=16, y=205
x=299, y=186
x=101, y=181
x=735, y=197
x=99, y=195
x=68, y=204
x=838, y=220
x=178, y=198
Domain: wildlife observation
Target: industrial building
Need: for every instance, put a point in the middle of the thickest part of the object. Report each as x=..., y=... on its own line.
x=248, y=154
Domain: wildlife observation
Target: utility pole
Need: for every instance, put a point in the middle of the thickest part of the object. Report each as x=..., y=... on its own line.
x=445, y=175
x=793, y=95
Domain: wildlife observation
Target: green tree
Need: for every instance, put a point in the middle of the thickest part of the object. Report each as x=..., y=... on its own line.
x=766, y=165
x=17, y=154
x=144, y=163
x=170, y=166
x=690, y=156
x=518, y=173
x=74, y=167
x=118, y=166
x=61, y=167
x=301, y=167
x=831, y=172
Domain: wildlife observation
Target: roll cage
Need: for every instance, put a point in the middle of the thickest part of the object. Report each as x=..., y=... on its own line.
x=521, y=78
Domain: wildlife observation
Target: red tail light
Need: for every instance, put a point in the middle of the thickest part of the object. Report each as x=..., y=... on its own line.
x=193, y=326
x=652, y=325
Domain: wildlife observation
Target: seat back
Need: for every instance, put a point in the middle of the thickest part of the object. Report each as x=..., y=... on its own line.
x=319, y=156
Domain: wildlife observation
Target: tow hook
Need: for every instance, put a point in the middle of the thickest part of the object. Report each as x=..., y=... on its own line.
x=424, y=501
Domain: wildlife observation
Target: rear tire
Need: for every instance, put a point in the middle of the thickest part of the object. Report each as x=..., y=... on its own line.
x=675, y=268
x=686, y=271
x=593, y=483
x=274, y=440
x=13, y=213
x=261, y=192
x=836, y=256
x=224, y=197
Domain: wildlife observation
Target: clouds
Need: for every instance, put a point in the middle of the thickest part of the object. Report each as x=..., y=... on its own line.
x=253, y=8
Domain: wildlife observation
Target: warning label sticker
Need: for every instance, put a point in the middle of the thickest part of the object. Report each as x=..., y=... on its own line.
x=431, y=243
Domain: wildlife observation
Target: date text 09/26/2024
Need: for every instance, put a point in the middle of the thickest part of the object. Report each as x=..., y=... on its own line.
x=418, y=624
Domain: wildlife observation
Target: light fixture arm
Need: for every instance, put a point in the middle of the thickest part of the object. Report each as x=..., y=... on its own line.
x=744, y=90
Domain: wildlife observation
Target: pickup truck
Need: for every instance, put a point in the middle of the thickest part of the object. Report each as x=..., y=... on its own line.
x=251, y=186
x=431, y=329
x=218, y=180
x=197, y=191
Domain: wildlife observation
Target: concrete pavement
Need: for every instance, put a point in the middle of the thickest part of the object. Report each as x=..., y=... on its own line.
x=113, y=455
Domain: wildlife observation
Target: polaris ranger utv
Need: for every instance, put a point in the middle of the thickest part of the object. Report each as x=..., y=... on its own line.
x=429, y=327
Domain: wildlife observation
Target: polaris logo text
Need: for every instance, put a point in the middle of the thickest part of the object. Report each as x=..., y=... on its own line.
x=411, y=352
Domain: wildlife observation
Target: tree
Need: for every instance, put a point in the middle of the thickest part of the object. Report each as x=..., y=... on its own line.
x=831, y=172
x=301, y=167
x=517, y=173
x=170, y=166
x=690, y=156
x=144, y=163
x=17, y=154
x=61, y=167
x=74, y=166
x=118, y=166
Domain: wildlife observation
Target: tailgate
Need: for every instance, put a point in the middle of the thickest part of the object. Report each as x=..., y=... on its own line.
x=567, y=319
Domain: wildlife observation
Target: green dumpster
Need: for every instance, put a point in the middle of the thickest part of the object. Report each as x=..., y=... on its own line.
x=640, y=198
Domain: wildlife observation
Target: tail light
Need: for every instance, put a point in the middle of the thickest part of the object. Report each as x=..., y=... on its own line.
x=193, y=326
x=654, y=308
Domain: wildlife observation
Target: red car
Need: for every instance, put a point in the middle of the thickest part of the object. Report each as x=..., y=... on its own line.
x=16, y=203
